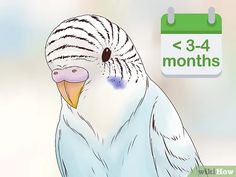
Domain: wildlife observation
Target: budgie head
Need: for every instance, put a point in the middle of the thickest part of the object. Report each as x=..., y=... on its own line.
x=90, y=50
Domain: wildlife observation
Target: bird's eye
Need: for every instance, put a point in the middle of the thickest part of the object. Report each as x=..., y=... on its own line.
x=106, y=54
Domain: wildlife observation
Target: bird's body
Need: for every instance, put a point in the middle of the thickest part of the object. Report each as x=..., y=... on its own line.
x=125, y=151
x=124, y=124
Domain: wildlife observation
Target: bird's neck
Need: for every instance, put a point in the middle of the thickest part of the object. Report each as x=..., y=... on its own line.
x=103, y=110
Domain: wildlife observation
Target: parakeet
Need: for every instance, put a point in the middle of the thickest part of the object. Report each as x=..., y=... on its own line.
x=114, y=120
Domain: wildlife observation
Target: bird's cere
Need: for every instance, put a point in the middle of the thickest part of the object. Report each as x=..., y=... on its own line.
x=116, y=82
x=70, y=74
x=70, y=82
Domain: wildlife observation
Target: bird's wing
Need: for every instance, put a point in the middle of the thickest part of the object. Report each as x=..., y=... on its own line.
x=172, y=149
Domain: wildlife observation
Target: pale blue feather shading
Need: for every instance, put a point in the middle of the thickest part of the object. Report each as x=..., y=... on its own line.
x=151, y=143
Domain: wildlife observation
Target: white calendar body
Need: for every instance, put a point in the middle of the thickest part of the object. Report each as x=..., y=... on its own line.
x=191, y=54
x=191, y=45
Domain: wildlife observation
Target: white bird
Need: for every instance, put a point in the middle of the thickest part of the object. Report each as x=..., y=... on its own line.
x=114, y=121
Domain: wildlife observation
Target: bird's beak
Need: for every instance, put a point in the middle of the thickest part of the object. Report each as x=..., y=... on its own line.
x=70, y=82
x=70, y=91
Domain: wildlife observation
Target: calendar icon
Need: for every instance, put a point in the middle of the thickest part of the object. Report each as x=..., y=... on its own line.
x=191, y=44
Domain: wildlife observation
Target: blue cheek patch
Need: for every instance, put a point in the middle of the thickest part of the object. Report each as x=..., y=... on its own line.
x=116, y=82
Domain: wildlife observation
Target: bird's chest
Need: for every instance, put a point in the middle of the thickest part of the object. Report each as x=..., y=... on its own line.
x=125, y=153
x=128, y=155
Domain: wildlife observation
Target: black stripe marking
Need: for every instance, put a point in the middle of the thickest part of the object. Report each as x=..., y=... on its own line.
x=126, y=40
x=96, y=18
x=136, y=59
x=132, y=48
x=134, y=55
x=134, y=66
x=71, y=56
x=112, y=32
x=104, y=67
x=140, y=70
x=83, y=59
x=131, y=56
x=72, y=36
x=118, y=37
x=77, y=28
x=121, y=68
x=86, y=21
x=109, y=67
x=71, y=20
x=127, y=66
x=69, y=46
x=114, y=66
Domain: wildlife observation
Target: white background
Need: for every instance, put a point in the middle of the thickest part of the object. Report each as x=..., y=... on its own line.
x=30, y=102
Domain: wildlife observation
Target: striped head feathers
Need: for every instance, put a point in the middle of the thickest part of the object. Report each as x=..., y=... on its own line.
x=93, y=47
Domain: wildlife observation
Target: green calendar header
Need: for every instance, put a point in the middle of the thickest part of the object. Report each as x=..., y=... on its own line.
x=191, y=24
